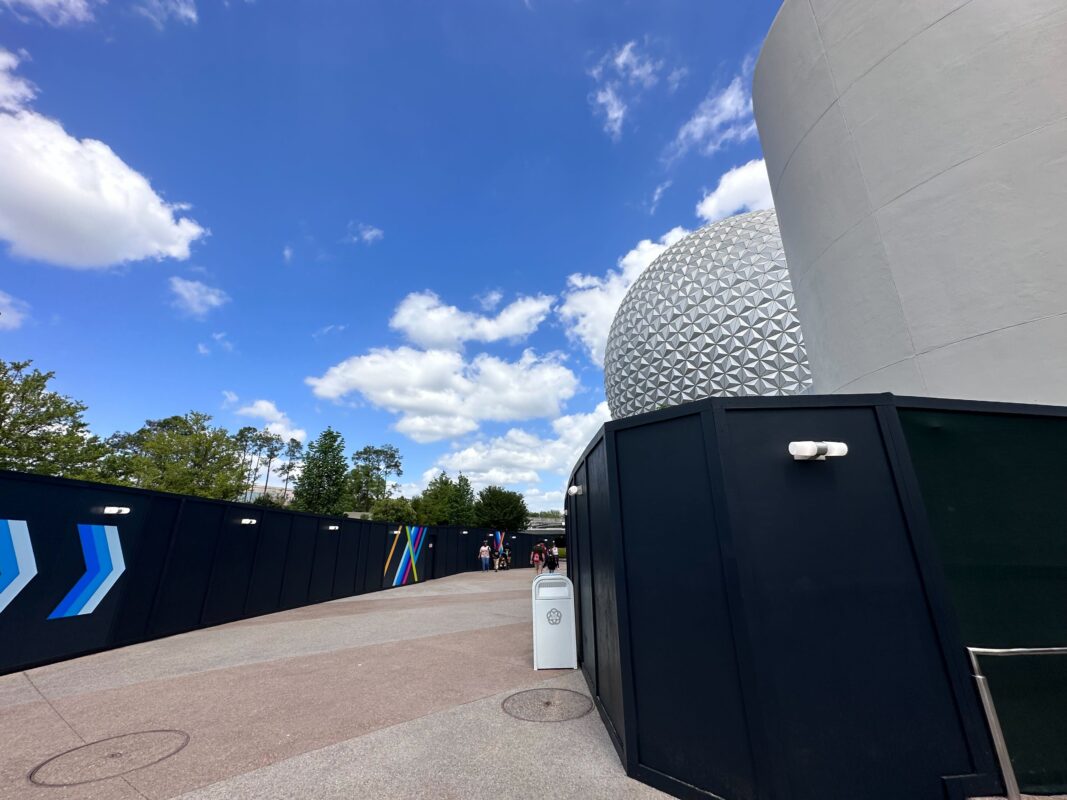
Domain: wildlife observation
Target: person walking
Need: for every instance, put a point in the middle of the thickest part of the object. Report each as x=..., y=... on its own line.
x=483, y=554
x=537, y=558
x=552, y=559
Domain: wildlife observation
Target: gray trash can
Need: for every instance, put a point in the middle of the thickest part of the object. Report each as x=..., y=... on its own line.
x=555, y=646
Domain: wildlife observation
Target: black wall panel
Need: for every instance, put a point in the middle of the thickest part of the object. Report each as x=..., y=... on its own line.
x=325, y=562
x=344, y=575
x=265, y=588
x=847, y=648
x=608, y=665
x=376, y=534
x=676, y=538
x=578, y=522
x=299, y=559
x=145, y=569
x=231, y=573
x=180, y=600
x=363, y=557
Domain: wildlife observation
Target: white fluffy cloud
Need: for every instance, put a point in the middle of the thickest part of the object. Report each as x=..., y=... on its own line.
x=723, y=116
x=743, y=188
x=590, y=302
x=15, y=91
x=277, y=421
x=657, y=195
x=74, y=202
x=362, y=232
x=439, y=395
x=621, y=76
x=160, y=12
x=13, y=312
x=54, y=12
x=521, y=457
x=490, y=300
x=426, y=321
x=195, y=298
x=612, y=108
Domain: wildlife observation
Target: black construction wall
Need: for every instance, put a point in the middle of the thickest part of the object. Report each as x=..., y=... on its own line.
x=756, y=627
x=190, y=563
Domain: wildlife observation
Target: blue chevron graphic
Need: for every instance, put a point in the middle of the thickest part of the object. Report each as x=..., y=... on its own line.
x=17, y=564
x=103, y=566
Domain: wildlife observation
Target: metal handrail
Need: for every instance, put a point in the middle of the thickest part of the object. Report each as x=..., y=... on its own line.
x=1011, y=785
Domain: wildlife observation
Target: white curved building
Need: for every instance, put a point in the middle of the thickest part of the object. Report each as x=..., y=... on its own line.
x=917, y=153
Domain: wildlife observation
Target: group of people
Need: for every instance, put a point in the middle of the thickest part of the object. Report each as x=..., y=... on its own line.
x=543, y=556
x=497, y=557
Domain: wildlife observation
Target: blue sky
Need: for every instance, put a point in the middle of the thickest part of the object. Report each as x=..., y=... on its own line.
x=410, y=221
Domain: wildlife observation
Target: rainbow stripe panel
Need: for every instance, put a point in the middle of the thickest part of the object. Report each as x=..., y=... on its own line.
x=412, y=538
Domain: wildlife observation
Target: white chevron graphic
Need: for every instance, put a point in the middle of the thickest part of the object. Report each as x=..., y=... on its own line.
x=24, y=559
x=118, y=566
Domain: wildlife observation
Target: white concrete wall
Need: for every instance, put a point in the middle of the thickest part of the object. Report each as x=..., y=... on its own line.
x=917, y=152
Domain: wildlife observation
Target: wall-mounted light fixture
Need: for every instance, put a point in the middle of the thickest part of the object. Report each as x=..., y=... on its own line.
x=248, y=521
x=464, y=533
x=116, y=510
x=576, y=489
x=333, y=527
x=817, y=451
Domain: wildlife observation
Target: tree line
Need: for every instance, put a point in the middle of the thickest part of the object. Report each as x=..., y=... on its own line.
x=44, y=432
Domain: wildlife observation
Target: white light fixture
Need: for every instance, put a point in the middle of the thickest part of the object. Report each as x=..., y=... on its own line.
x=116, y=510
x=333, y=527
x=464, y=533
x=817, y=451
x=573, y=490
x=248, y=521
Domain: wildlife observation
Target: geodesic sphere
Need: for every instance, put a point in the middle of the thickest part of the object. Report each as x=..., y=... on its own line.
x=713, y=316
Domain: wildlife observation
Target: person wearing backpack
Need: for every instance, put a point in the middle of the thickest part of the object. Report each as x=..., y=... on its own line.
x=552, y=560
x=537, y=557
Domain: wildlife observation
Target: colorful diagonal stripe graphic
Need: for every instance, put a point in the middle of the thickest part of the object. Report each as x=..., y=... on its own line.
x=104, y=564
x=17, y=564
x=407, y=568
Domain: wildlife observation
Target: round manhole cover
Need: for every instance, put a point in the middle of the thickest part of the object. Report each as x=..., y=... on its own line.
x=548, y=705
x=108, y=758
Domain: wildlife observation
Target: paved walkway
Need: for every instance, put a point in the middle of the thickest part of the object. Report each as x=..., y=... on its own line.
x=392, y=695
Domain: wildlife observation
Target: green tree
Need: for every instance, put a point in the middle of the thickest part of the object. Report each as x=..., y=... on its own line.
x=294, y=455
x=501, y=509
x=434, y=505
x=393, y=509
x=462, y=509
x=182, y=454
x=273, y=445
x=246, y=438
x=41, y=430
x=369, y=479
x=322, y=484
